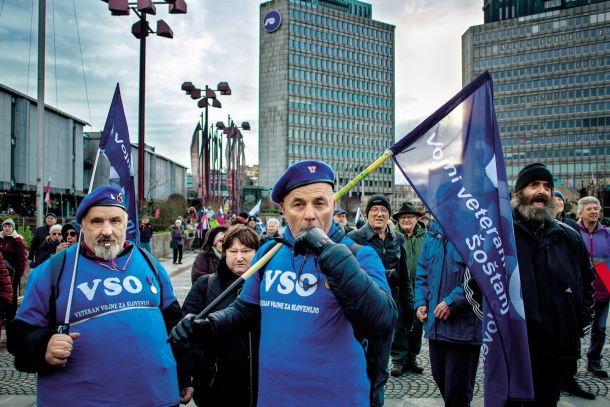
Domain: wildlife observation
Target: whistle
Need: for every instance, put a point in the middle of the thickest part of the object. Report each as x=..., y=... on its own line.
x=107, y=245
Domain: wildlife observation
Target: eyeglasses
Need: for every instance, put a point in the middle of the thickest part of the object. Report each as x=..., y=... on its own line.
x=70, y=233
x=375, y=211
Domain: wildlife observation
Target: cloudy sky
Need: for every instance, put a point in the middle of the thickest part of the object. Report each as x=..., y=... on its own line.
x=215, y=41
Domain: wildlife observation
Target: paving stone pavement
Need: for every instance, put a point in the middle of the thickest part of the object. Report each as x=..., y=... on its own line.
x=18, y=389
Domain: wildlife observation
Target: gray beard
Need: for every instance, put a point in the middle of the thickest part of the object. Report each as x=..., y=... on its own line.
x=533, y=213
x=108, y=253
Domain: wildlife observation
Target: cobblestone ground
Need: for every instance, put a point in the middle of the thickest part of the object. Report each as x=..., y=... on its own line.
x=409, y=385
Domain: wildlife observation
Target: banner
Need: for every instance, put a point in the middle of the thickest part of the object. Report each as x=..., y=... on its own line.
x=454, y=161
x=116, y=147
x=195, y=161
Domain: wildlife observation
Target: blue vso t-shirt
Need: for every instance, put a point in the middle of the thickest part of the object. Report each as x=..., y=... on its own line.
x=121, y=357
x=308, y=353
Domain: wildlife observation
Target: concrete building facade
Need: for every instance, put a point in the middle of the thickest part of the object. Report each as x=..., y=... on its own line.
x=551, y=75
x=326, y=89
x=63, y=152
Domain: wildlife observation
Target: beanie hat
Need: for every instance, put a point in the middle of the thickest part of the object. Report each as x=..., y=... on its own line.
x=533, y=172
x=55, y=227
x=9, y=221
x=558, y=194
x=378, y=200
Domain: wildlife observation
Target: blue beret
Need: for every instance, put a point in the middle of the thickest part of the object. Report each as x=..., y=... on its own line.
x=102, y=196
x=558, y=194
x=301, y=174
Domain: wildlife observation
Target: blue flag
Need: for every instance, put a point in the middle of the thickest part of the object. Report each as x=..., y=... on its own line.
x=454, y=161
x=116, y=147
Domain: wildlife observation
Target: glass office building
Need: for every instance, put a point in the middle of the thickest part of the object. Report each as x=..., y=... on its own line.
x=551, y=74
x=326, y=89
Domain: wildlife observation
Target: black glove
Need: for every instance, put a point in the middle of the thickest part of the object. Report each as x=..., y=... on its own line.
x=189, y=326
x=314, y=240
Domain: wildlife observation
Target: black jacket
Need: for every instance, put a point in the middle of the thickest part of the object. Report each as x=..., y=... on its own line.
x=45, y=251
x=232, y=361
x=556, y=282
x=391, y=250
x=146, y=232
x=40, y=235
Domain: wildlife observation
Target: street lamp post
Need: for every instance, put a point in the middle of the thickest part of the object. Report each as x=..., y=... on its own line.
x=140, y=30
x=204, y=102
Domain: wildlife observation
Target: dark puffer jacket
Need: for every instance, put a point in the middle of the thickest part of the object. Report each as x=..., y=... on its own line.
x=231, y=362
x=556, y=282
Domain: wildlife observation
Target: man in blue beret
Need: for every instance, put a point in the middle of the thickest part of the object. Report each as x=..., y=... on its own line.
x=120, y=302
x=314, y=299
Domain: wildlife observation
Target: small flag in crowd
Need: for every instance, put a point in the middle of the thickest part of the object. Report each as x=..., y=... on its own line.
x=603, y=271
x=115, y=145
x=221, y=217
x=47, y=192
x=454, y=161
x=358, y=216
x=257, y=208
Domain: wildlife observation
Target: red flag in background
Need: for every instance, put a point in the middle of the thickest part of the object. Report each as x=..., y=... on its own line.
x=603, y=271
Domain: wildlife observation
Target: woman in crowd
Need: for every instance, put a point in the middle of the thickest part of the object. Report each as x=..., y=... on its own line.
x=189, y=234
x=15, y=256
x=207, y=260
x=226, y=371
x=177, y=239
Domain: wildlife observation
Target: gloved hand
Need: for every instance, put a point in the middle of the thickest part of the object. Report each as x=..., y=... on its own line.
x=314, y=240
x=189, y=326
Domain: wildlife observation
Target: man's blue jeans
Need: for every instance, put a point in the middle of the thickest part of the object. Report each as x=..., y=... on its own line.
x=598, y=332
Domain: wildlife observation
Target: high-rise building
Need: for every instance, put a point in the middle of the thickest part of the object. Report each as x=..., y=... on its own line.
x=498, y=10
x=326, y=89
x=551, y=75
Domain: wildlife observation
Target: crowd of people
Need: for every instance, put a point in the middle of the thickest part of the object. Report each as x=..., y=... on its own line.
x=336, y=311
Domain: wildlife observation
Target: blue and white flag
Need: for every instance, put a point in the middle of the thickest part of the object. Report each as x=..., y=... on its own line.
x=116, y=147
x=454, y=161
x=256, y=209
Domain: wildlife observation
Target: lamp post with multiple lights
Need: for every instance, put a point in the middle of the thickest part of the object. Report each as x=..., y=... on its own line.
x=208, y=140
x=140, y=30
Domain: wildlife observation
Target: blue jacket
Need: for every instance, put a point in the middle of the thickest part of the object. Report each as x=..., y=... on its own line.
x=440, y=276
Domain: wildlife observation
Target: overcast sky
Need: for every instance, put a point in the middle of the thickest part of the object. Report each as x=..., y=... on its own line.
x=215, y=41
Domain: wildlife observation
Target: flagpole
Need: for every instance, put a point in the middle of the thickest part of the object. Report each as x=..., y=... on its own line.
x=267, y=257
x=65, y=327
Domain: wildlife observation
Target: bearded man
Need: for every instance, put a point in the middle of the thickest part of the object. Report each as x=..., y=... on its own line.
x=120, y=304
x=556, y=282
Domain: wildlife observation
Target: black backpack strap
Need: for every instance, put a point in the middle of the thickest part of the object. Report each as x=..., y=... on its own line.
x=209, y=281
x=151, y=262
x=56, y=263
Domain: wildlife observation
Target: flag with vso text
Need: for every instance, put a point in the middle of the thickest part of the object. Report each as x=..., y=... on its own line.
x=115, y=145
x=454, y=161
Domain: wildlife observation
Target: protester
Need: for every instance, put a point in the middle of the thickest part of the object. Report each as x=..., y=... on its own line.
x=451, y=324
x=272, y=232
x=6, y=292
x=40, y=235
x=69, y=234
x=251, y=223
x=12, y=247
x=49, y=246
x=426, y=218
x=189, y=235
x=597, y=241
x=207, y=260
x=569, y=385
x=226, y=370
x=177, y=239
x=556, y=277
x=315, y=297
x=191, y=213
x=390, y=247
x=407, y=339
x=340, y=217
x=146, y=233
x=117, y=352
